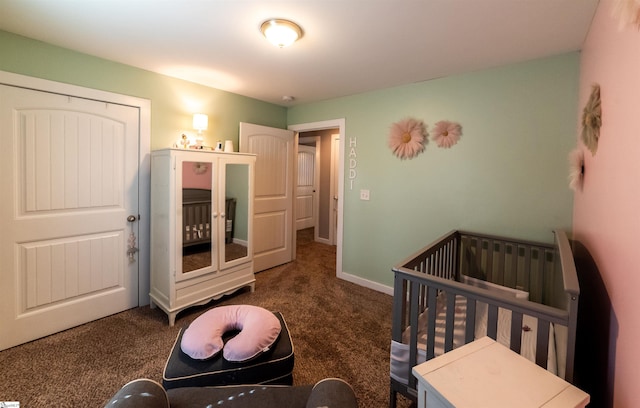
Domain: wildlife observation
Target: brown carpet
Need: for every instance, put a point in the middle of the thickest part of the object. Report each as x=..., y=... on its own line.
x=339, y=329
x=199, y=256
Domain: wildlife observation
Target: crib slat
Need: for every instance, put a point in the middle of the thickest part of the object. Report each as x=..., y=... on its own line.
x=446, y=266
x=413, y=342
x=514, y=266
x=499, y=267
x=450, y=261
x=492, y=322
x=489, y=267
x=188, y=222
x=538, y=275
x=449, y=322
x=516, y=332
x=526, y=273
x=478, y=252
x=431, y=329
x=470, y=323
x=441, y=268
x=549, y=265
x=464, y=247
x=542, y=343
x=399, y=307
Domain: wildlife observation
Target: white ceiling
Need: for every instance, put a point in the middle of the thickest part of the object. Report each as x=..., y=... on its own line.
x=348, y=47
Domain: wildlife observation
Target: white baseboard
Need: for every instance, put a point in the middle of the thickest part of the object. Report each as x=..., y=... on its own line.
x=242, y=242
x=366, y=283
x=323, y=241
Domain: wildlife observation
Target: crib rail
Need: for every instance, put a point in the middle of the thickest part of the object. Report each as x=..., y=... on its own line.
x=544, y=270
x=440, y=259
x=518, y=264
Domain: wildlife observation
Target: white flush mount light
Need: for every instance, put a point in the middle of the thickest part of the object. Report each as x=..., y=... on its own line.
x=281, y=33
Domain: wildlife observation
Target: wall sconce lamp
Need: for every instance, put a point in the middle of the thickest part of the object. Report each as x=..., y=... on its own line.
x=281, y=33
x=200, y=122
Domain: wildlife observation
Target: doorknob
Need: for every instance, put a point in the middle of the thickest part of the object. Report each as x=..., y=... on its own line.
x=131, y=242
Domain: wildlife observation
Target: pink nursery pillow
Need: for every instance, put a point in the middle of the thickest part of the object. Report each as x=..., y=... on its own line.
x=259, y=329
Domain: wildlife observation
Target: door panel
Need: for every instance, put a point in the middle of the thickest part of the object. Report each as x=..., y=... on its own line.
x=273, y=204
x=306, y=213
x=69, y=181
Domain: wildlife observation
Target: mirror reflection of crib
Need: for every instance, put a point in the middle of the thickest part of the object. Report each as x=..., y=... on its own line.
x=196, y=216
x=196, y=226
x=196, y=213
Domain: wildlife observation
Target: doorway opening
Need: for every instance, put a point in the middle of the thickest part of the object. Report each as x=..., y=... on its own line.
x=328, y=139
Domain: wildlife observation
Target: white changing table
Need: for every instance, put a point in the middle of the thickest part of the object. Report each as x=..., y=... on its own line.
x=485, y=373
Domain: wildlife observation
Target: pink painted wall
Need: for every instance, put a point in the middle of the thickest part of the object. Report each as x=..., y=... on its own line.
x=192, y=179
x=606, y=216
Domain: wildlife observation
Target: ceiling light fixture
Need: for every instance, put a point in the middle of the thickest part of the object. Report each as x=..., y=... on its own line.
x=281, y=33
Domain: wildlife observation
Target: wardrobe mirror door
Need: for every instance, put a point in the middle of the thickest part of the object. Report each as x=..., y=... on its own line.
x=196, y=216
x=236, y=229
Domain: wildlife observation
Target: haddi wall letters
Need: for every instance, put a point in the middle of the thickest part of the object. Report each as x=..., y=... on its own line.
x=352, y=161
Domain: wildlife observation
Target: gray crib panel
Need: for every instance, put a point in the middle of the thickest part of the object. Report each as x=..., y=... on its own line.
x=516, y=264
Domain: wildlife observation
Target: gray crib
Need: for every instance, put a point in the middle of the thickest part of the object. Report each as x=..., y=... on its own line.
x=196, y=216
x=467, y=285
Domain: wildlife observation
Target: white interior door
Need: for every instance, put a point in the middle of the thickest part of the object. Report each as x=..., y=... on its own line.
x=274, y=193
x=306, y=207
x=69, y=182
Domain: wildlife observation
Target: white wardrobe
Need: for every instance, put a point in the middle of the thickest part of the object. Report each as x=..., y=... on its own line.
x=201, y=227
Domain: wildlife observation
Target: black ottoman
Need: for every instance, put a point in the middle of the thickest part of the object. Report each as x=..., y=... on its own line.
x=272, y=367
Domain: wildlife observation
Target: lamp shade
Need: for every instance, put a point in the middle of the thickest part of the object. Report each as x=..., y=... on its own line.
x=281, y=33
x=200, y=121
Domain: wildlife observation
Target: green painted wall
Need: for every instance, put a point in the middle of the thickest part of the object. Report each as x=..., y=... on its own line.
x=507, y=175
x=173, y=101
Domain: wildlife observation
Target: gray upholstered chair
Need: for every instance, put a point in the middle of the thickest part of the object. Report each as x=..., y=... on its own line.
x=145, y=393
